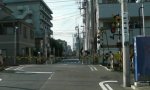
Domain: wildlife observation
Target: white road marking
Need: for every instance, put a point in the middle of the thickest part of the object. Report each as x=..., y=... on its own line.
x=0, y=79
x=102, y=85
x=105, y=68
x=15, y=68
x=109, y=88
x=92, y=68
x=35, y=72
x=51, y=76
x=9, y=68
x=19, y=68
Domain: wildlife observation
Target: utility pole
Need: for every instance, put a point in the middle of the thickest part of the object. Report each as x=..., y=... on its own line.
x=15, y=44
x=79, y=42
x=45, y=44
x=92, y=29
x=143, y=19
x=77, y=28
x=125, y=43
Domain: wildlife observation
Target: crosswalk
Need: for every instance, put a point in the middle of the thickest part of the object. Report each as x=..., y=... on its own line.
x=92, y=68
x=15, y=68
x=95, y=67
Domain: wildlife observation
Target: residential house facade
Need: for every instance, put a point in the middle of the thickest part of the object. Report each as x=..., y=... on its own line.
x=16, y=36
x=38, y=14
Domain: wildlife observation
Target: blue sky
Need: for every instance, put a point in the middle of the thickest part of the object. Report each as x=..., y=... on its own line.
x=66, y=16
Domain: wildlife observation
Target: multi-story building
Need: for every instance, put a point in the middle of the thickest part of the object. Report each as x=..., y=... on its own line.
x=89, y=20
x=107, y=9
x=77, y=44
x=16, y=36
x=104, y=11
x=38, y=14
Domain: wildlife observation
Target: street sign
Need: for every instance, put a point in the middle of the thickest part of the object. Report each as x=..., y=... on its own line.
x=126, y=27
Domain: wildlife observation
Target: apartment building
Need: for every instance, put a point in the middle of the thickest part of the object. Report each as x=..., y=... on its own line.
x=38, y=14
x=107, y=9
x=89, y=20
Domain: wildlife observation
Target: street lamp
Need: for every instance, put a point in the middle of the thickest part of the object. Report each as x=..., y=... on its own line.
x=15, y=44
x=143, y=19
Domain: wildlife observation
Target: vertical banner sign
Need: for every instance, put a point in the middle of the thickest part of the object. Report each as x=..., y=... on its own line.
x=126, y=27
x=142, y=58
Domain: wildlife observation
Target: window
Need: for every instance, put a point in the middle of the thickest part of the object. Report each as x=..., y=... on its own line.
x=31, y=34
x=10, y=30
x=2, y=31
x=25, y=32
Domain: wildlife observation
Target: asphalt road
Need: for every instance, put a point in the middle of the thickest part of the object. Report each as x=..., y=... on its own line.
x=70, y=74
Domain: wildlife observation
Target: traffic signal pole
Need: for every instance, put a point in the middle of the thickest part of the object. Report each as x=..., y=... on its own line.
x=125, y=43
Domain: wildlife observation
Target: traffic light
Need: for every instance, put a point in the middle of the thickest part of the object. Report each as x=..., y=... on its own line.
x=113, y=28
x=115, y=23
x=98, y=42
x=98, y=38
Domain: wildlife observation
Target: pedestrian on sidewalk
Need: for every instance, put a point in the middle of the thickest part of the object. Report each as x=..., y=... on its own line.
x=111, y=60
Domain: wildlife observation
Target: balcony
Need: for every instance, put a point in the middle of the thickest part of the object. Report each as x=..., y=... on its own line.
x=24, y=14
x=106, y=11
x=47, y=14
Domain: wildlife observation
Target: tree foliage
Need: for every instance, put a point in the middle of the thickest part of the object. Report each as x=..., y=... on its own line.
x=56, y=47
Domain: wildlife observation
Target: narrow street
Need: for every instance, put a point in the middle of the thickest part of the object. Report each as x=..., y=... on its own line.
x=67, y=75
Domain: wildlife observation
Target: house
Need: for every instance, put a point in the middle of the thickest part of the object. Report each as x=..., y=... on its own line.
x=16, y=36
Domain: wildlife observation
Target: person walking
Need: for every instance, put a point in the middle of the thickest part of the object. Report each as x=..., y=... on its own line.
x=111, y=60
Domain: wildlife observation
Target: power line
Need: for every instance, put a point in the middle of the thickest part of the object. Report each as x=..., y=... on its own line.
x=66, y=14
x=65, y=17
